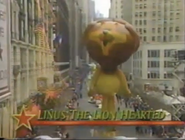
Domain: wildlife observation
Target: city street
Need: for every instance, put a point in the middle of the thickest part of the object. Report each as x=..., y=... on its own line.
x=83, y=132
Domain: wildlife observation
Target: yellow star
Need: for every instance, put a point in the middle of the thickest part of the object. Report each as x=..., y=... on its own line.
x=23, y=119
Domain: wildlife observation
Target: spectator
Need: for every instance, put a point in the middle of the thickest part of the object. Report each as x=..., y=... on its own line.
x=67, y=135
x=135, y=106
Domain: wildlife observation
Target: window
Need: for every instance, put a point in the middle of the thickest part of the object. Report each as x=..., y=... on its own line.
x=140, y=31
x=21, y=26
x=14, y=55
x=153, y=13
x=153, y=64
x=140, y=6
x=153, y=75
x=153, y=38
x=177, y=29
x=136, y=22
x=140, y=73
x=168, y=64
x=154, y=5
x=140, y=64
x=140, y=22
x=30, y=33
x=168, y=75
x=153, y=30
x=140, y=14
x=153, y=53
x=145, y=14
x=144, y=6
x=144, y=38
x=164, y=38
x=171, y=29
x=145, y=22
x=171, y=38
x=15, y=89
x=164, y=29
x=159, y=13
x=144, y=30
x=149, y=64
x=167, y=53
x=159, y=30
x=159, y=39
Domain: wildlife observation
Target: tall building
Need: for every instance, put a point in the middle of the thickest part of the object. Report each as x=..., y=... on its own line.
x=160, y=26
x=31, y=49
x=99, y=15
x=77, y=24
x=91, y=10
x=5, y=71
x=61, y=34
x=72, y=18
x=87, y=8
x=122, y=9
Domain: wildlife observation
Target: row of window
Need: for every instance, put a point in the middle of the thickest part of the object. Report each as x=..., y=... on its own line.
x=161, y=38
x=155, y=5
x=137, y=64
x=153, y=75
x=137, y=55
x=153, y=64
x=156, y=53
x=137, y=72
x=156, y=64
x=155, y=30
x=156, y=75
x=153, y=53
x=32, y=23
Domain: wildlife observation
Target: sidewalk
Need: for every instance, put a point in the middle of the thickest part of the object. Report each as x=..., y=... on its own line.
x=51, y=130
x=65, y=97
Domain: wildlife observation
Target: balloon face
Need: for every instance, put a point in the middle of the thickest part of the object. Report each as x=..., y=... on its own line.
x=110, y=42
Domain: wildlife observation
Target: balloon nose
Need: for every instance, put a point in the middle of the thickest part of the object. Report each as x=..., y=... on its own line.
x=105, y=32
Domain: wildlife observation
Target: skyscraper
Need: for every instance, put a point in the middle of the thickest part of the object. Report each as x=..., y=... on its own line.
x=161, y=29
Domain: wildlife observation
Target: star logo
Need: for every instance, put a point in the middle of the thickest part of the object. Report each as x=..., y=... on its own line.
x=23, y=119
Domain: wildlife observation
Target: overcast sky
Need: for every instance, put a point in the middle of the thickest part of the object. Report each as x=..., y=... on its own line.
x=103, y=6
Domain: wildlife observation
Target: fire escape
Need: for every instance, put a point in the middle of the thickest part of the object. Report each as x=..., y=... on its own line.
x=179, y=73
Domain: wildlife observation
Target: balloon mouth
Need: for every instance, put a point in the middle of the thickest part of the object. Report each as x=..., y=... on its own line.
x=105, y=42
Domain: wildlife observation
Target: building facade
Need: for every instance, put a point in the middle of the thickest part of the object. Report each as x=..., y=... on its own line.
x=31, y=48
x=5, y=70
x=88, y=15
x=160, y=26
x=72, y=18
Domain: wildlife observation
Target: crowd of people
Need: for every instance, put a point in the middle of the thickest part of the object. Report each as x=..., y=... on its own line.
x=138, y=104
